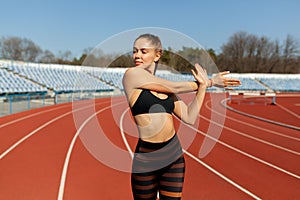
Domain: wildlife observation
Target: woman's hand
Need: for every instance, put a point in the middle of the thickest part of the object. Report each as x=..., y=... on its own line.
x=220, y=81
x=200, y=75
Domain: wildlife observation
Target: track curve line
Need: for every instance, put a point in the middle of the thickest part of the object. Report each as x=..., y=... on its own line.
x=70, y=149
x=254, y=126
x=221, y=175
x=252, y=137
x=259, y=118
x=287, y=110
x=247, y=154
x=32, y=115
x=38, y=129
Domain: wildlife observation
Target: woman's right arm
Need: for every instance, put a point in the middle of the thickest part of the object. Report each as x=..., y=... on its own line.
x=137, y=78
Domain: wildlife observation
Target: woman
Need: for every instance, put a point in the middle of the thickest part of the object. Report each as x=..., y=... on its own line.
x=158, y=163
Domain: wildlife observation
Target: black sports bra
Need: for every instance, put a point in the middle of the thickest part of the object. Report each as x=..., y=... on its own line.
x=149, y=103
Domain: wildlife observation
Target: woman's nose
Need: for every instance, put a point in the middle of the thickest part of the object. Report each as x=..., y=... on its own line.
x=137, y=54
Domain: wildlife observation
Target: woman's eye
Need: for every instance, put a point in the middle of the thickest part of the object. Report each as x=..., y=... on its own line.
x=143, y=51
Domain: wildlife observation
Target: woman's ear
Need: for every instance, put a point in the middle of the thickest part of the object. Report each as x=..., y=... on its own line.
x=157, y=56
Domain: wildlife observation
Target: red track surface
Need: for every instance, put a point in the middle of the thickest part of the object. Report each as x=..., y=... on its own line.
x=45, y=155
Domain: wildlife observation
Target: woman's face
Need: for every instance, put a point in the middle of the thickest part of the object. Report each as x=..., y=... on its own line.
x=144, y=53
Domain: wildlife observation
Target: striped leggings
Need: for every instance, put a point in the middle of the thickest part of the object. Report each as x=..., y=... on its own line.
x=158, y=167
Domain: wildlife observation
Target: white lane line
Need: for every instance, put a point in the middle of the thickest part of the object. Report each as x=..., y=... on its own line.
x=247, y=154
x=252, y=137
x=221, y=175
x=31, y=115
x=259, y=118
x=252, y=125
x=288, y=111
x=193, y=157
x=123, y=135
x=36, y=130
x=30, y=134
x=67, y=159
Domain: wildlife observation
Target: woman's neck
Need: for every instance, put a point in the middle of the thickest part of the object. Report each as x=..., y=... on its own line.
x=151, y=69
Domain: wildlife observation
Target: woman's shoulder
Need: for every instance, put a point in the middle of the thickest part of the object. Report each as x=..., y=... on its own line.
x=134, y=71
x=132, y=74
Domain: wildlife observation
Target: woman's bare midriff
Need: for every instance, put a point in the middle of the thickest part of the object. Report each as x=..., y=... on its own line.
x=155, y=127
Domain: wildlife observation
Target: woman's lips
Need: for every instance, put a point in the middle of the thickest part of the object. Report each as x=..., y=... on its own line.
x=138, y=63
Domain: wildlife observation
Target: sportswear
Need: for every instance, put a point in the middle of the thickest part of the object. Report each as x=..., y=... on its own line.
x=149, y=103
x=158, y=167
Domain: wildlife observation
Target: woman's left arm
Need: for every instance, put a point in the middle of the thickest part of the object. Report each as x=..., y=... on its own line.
x=189, y=113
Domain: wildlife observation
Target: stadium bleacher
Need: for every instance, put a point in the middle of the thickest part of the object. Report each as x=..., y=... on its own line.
x=58, y=78
x=11, y=83
x=21, y=77
x=268, y=82
x=30, y=85
x=110, y=76
x=282, y=84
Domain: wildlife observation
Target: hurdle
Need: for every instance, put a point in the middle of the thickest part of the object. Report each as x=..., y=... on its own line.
x=245, y=95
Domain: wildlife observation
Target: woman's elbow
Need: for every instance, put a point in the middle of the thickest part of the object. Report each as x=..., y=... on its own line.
x=176, y=88
x=189, y=121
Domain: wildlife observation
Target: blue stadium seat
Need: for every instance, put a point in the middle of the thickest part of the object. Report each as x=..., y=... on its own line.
x=21, y=77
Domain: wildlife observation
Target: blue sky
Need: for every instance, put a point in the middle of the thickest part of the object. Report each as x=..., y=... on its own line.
x=62, y=25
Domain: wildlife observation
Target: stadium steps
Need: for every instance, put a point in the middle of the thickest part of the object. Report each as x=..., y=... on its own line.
x=30, y=79
x=34, y=81
x=101, y=79
x=269, y=89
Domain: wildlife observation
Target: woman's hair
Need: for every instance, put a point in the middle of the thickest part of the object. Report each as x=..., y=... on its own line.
x=153, y=39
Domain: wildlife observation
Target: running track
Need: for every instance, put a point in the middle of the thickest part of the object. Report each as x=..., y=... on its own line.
x=83, y=151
